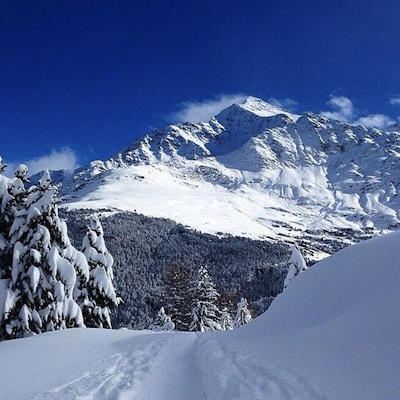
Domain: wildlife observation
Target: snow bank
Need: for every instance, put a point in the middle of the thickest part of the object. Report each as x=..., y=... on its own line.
x=338, y=323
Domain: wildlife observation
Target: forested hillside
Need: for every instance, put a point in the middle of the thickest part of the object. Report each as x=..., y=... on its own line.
x=156, y=260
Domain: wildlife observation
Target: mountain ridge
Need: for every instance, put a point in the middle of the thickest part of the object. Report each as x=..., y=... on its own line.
x=253, y=170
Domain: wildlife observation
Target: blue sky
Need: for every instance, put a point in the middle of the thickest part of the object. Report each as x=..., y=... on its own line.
x=80, y=80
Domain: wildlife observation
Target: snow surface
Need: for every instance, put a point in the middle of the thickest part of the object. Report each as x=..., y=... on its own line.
x=333, y=334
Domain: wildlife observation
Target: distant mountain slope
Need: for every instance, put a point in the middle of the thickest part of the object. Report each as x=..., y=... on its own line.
x=257, y=171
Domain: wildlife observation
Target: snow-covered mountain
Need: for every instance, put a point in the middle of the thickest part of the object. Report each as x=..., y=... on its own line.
x=332, y=334
x=254, y=170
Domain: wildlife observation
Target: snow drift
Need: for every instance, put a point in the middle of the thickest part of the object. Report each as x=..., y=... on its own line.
x=338, y=323
x=333, y=334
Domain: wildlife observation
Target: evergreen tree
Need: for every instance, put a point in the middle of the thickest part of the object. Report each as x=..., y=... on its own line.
x=162, y=322
x=297, y=264
x=12, y=194
x=205, y=313
x=243, y=315
x=4, y=223
x=226, y=321
x=22, y=173
x=40, y=292
x=178, y=295
x=97, y=300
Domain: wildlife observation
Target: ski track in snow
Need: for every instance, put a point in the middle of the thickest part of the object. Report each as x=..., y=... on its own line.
x=183, y=366
x=234, y=374
x=134, y=374
x=124, y=377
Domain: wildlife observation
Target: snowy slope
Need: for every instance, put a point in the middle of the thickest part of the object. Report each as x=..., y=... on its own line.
x=337, y=324
x=254, y=170
x=333, y=334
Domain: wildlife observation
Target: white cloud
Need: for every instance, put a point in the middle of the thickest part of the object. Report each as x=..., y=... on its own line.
x=65, y=158
x=343, y=110
x=200, y=111
x=379, y=121
x=395, y=101
x=285, y=104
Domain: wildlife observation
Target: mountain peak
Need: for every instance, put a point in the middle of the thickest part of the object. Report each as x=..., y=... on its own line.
x=263, y=109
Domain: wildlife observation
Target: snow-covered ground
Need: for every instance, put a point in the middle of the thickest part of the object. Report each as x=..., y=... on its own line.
x=155, y=191
x=333, y=334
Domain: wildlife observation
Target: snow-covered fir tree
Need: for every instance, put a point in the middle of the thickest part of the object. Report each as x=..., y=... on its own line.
x=40, y=291
x=12, y=194
x=178, y=296
x=226, y=320
x=297, y=264
x=4, y=222
x=22, y=173
x=162, y=322
x=205, y=313
x=100, y=297
x=243, y=315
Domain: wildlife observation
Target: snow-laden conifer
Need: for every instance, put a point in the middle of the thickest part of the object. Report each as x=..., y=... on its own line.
x=178, y=295
x=40, y=293
x=101, y=296
x=226, y=320
x=205, y=313
x=162, y=322
x=12, y=195
x=297, y=264
x=4, y=223
x=243, y=315
x=22, y=173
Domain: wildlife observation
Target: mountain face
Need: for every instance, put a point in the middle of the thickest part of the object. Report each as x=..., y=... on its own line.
x=258, y=171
